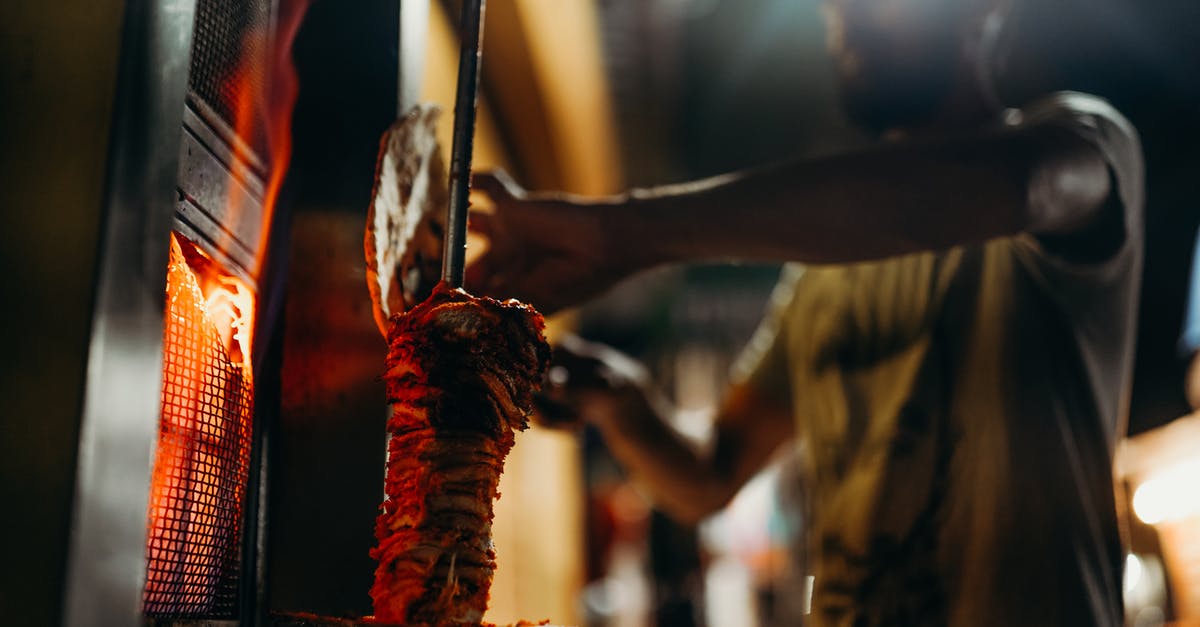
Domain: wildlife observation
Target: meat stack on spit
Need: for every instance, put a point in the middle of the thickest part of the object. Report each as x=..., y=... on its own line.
x=461, y=373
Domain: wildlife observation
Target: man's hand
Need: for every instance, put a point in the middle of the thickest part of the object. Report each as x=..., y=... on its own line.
x=550, y=250
x=593, y=383
x=589, y=383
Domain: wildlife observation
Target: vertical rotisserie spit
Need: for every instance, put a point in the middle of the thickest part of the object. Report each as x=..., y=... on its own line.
x=461, y=372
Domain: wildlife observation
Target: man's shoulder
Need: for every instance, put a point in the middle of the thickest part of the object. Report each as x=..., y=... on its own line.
x=1098, y=123
x=1095, y=120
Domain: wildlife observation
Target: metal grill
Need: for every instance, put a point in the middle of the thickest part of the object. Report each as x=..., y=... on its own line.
x=220, y=69
x=201, y=463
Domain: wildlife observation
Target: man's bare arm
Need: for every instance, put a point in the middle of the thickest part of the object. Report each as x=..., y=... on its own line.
x=888, y=201
x=556, y=250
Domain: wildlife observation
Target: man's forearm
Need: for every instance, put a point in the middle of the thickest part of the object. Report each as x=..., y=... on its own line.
x=887, y=201
x=682, y=480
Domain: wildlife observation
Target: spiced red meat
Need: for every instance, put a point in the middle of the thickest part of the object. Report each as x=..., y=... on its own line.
x=461, y=374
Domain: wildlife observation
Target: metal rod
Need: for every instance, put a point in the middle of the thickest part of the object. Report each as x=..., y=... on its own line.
x=455, y=251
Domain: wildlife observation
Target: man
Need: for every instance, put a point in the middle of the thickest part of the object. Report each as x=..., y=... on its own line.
x=955, y=360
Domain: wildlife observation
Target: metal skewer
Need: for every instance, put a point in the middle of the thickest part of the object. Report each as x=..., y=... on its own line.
x=455, y=252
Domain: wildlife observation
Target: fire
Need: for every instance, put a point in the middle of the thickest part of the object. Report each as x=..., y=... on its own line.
x=229, y=302
x=267, y=106
x=232, y=303
x=202, y=460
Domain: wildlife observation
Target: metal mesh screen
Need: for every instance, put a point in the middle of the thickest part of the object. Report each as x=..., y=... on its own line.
x=220, y=71
x=201, y=464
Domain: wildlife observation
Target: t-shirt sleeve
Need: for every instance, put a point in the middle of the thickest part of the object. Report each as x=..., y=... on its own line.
x=1095, y=121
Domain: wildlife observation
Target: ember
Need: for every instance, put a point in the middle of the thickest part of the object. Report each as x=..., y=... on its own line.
x=203, y=455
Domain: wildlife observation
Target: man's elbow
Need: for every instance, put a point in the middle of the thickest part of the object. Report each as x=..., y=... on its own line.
x=691, y=509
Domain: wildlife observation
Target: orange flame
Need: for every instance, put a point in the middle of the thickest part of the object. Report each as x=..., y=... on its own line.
x=266, y=106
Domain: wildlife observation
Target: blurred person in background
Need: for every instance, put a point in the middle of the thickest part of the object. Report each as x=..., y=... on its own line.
x=953, y=360
x=1189, y=341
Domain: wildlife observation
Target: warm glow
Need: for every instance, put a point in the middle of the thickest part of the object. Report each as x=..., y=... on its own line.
x=228, y=301
x=1170, y=494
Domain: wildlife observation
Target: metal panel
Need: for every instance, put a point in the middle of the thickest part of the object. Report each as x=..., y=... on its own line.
x=106, y=559
x=217, y=209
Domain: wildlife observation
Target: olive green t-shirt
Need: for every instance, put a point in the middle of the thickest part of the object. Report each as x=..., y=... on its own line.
x=957, y=412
